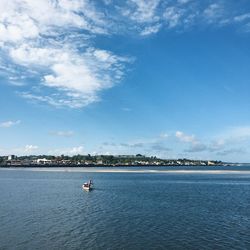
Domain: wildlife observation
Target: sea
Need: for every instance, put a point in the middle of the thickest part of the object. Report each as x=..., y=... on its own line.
x=129, y=208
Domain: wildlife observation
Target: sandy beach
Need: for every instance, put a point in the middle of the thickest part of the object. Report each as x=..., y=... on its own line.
x=131, y=170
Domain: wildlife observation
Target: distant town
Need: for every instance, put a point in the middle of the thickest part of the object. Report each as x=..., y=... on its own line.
x=100, y=160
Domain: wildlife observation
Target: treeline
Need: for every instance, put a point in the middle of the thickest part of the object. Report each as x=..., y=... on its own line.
x=104, y=160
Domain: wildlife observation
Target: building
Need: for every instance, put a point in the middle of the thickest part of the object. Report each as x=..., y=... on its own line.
x=11, y=157
x=43, y=161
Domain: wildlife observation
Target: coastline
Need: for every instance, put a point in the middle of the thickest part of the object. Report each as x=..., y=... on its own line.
x=127, y=170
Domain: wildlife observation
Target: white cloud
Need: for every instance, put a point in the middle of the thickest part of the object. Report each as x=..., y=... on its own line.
x=28, y=18
x=149, y=30
x=242, y=18
x=185, y=138
x=77, y=77
x=236, y=134
x=46, y=37
x=58, y=100
x=62, y=133
x=142, y=11
x=164, y=135
x=148, y=17
x=29, y=148
x=23, y=150
x=8, y=124
x=195, y=145
x=235, y=140
x=221, y=144
x=173, y=16
x=68, y=151
x=76, y=150
x=213, y=13
x=50, y=43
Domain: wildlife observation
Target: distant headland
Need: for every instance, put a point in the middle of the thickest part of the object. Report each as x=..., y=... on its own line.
x=101, y=160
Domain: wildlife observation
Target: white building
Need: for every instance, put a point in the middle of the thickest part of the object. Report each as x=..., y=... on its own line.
x=43, y=161
x=11, y=157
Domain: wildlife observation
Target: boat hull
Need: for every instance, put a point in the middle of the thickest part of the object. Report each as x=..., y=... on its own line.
x=87, y=188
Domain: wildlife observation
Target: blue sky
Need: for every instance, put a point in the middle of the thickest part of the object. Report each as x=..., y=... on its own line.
x=164, y=78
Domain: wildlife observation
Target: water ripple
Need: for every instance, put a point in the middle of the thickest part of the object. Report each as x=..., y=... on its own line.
x=49, y=210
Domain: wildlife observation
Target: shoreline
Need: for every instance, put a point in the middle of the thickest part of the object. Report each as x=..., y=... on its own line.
x=127, y=170
x=122, y=165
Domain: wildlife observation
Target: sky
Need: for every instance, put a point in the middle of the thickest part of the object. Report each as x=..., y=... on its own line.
x=166, y=78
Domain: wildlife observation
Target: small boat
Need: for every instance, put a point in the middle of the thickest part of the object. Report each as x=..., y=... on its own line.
x=88, y=185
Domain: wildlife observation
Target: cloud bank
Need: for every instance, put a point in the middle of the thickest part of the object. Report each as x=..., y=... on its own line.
x=48, y=51
x=8, y=124
x=47, y=46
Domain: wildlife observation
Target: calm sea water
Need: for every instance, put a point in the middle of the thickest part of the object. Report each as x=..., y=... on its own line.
x=49, y=210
